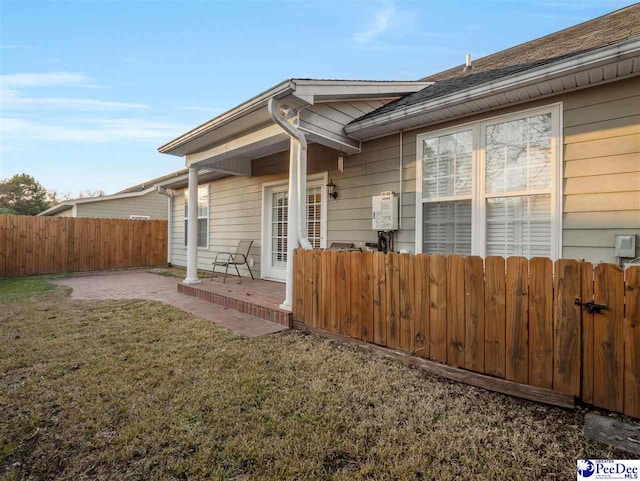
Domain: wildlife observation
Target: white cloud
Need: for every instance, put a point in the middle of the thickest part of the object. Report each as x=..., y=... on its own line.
x=13, y=85
x=48, y=79
x=209, y=110
x=89, y=131
x=380, y=22
x=8, y=46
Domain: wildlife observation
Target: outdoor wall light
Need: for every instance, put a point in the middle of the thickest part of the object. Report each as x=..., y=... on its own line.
x=331, y=189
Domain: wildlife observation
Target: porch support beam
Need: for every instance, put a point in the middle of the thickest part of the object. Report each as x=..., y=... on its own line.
x=292, y=221
x=192, y=229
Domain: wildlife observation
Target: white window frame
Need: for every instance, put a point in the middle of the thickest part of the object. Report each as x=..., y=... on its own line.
x=138, y=217
x=478, y=169
x=207, y=217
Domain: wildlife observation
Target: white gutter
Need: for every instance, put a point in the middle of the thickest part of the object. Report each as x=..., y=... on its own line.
x=169, y=194
x=582, y=62
x=299, y=138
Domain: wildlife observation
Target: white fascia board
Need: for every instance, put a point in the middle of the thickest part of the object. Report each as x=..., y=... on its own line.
x=312, y=91
x=579, y=62
x=88, y=200
x=245, y=108
x=67, y=204
x=242, y=145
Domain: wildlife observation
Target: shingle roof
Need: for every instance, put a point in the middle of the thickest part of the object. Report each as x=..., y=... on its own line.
x=610, y=29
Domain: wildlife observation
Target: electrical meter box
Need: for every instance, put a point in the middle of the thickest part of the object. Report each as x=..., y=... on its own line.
x=384, y=214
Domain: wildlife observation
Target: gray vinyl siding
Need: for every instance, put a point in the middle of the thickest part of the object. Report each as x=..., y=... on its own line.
x=601, y=173
x=152, y=204
x=235, y=208
x=601, y=181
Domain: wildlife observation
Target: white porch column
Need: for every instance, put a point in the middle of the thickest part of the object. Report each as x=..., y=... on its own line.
x=192, y=225
x=292, y=221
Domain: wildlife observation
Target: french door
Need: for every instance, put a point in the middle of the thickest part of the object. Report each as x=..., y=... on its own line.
x=276, y=219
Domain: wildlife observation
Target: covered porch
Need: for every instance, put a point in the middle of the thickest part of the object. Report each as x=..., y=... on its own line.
x=292, y=118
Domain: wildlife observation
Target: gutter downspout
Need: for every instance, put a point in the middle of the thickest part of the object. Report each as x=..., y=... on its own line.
x=400, y=185
x=298, y=138
x=169, y=194
x=296, y=231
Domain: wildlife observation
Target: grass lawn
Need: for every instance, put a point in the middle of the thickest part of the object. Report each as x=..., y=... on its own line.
x=139, y=390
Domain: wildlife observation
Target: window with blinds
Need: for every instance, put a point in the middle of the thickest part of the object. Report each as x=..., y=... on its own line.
x=446, y=193
x=491, y=188
x=203, y=216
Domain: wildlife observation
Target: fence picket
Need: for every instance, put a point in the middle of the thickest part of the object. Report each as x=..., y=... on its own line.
x=407, y=294
x=541, y=322
x=325, y=292
x=392, y=274
x=421, y=305
x=344, y=292
x=474, y=313
x=495, y=315
x=3, y=245
x=566, y=377
x=355, y=328
x=308, y=286
x=608, y=371
x=298, y=285
x=317, y=288
x=586, y=294
x=517, y=320
x=379, y=299
x=455, y=311
x=366, y=298
x=438, y=308
x=632, y=343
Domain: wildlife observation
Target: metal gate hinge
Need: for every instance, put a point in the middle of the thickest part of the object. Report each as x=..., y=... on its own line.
x=592, y=307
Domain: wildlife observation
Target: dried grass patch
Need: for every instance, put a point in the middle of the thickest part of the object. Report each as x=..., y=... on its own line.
x=141, y=390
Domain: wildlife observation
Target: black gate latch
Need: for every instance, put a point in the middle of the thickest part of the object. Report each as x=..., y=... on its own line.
x=592, y=307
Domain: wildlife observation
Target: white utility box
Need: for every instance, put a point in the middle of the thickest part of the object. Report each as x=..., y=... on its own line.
x=625, y=245
x=384, y=214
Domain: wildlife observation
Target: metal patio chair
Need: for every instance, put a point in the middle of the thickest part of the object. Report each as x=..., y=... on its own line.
x=238, y=258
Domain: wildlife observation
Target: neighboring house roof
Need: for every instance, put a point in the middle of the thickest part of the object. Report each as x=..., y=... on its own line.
x=68, y=204
x=611, y=29
x=152, y=182
x=133, y=191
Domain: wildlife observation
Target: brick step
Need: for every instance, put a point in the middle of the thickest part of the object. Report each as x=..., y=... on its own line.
x=256, y=308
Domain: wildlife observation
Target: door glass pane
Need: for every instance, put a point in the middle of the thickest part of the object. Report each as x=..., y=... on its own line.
x=446, y=165
x=518, y=155
x=279, y=211
x=314, y=209
x=447, y=227
x=519, y=226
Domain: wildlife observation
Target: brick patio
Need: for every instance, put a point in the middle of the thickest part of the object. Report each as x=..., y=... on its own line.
x=254, y=297
x=138, y=284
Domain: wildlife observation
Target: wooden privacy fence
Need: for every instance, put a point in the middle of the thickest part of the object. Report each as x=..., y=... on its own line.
x=45, y=245
x=516, y=319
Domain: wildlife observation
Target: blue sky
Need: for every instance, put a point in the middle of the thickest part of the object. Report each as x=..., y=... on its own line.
x=90, y=89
